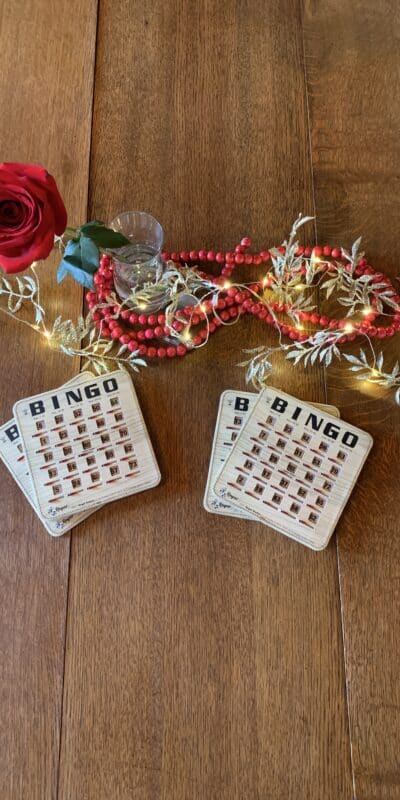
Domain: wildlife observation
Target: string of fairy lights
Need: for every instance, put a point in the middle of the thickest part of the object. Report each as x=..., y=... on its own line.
x=291, y=296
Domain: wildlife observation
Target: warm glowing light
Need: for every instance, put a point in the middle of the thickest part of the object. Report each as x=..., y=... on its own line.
x=47, y=334
x=227, y=285
x=142, y=306
x=186, y=335
x=374, y=373
x=300, y=287
x=349, y=327
x=367, y=310
x=316, y=260
x=203, y=308
x=300, y=327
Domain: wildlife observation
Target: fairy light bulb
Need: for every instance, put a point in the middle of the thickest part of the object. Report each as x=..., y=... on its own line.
x=300, y=287
x=348, y=328
x=227, y=285
x=203, y=308
x=367, y=310
x=142, y=306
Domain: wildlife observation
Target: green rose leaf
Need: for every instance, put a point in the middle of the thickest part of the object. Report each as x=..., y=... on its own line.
x=80, y=261
x=89, y=254
x=102, y=236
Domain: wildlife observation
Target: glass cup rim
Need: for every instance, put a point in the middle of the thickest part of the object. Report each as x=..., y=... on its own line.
x=126, y=214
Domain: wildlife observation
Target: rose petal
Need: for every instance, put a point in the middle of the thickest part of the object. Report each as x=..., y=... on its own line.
x=38, y=176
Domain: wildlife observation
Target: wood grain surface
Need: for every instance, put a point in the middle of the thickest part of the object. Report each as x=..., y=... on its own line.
x=160, y=652
x=204, y=656
x=354, y=105
x=47, y=59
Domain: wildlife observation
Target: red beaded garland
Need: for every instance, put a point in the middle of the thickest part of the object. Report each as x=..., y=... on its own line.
x=232, y=302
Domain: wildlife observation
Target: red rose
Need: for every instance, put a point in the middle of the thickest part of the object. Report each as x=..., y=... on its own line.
x=31, y=212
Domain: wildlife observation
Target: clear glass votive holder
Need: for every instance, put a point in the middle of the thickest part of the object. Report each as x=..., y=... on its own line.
x=139, y=262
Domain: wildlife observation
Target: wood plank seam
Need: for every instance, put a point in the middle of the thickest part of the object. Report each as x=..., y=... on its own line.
x=326, y=388
x=93, y=78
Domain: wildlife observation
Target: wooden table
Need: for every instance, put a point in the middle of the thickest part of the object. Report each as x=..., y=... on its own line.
x=160, y=652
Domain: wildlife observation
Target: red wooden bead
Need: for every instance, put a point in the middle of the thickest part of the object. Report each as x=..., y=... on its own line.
x=171, y=352
x=149, y=333
x=239, y=248
x=151, y=352
x=317, y=251
x=193, y=255
x=161, y=319
x=224, y=315
x=133, y=345
x=229, y=258
x=257, y=260
x=203, y=255
x=184, y=255
x=181, y=350
x=300, y=250
x=161, y=352
x=327, y=250
x=248, y=259
x=133, y=318
x=152, y=319
x=178, y=326
x=307, y=252
x=142, y=319
x=211, y=255
x=165, y=256
x=336, y=252
x=116, y=333
x=245, y=242
x=175, y=256
x=197, y=340
x=140, y=336
x=125, y=338
x=142, y=350
x=239, y=258
x=125, y=313
x=220, y=258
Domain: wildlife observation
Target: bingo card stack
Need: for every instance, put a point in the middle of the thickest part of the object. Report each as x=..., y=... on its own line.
x=289, y=464
x=73, y=449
